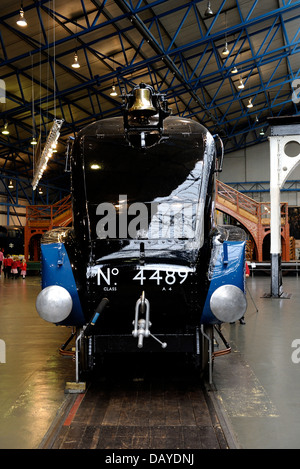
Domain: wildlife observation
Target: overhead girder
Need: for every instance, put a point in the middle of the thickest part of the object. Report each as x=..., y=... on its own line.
x=182, y=71
x=154, y=59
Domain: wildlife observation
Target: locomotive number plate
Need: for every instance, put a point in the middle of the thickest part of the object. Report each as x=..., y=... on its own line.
x=167, y=276
x=108, y=277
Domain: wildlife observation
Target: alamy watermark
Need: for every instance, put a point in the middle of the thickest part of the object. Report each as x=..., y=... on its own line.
x=2, y=91
x=296, y=353
x=2, y=351
x=155, y=220
x=296, y=92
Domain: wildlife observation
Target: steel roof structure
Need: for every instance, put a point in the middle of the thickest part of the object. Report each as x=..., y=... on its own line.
x=175, y=45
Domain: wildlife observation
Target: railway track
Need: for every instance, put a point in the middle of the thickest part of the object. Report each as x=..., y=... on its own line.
x=159, y=405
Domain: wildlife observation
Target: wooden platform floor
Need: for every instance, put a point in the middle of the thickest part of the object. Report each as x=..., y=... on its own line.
x=142, y=413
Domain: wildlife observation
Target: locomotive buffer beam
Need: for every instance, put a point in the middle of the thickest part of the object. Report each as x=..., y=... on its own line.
x=142, y=322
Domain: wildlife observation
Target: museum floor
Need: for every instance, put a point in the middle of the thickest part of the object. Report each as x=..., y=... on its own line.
x=257, y=384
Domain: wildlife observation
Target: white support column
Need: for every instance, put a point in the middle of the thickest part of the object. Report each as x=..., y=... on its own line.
x=284, y=157
x=275, y=250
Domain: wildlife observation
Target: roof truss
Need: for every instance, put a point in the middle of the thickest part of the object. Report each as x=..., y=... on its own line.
x=169, y=44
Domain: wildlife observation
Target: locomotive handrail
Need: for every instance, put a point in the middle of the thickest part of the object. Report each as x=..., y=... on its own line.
x=220, y=158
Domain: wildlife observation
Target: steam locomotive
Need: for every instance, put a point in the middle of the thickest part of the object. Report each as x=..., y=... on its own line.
x=144, y=267
x=12, y=239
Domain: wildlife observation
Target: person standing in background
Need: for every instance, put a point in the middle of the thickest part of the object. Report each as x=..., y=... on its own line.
x=8, y=263
x=23, y=268
x=1, y=259
x=18, y=261
x=14, y=268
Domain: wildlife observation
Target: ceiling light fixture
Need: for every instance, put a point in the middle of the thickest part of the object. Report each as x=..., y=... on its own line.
x=113, y=91
x=75, y=64
x=33, y=141
x=47, y=152
x=5, y=130
x=262, y=132
x=22, y=21
x=241, y=86
x=208, y=11
x=113, y=88
x=95, y=166
x=250, y=104
x=11, y=184
x=234, y=70
x=225, y=51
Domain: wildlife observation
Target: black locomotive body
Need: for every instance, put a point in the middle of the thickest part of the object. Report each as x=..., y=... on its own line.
x=144, y=268
x=12, y=240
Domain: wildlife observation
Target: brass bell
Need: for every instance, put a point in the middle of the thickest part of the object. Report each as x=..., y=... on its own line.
x=142, y=104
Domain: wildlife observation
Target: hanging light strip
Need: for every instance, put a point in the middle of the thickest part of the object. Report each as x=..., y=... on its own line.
x=47, y=151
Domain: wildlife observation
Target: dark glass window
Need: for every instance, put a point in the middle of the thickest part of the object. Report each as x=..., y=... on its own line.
x=113, y=169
